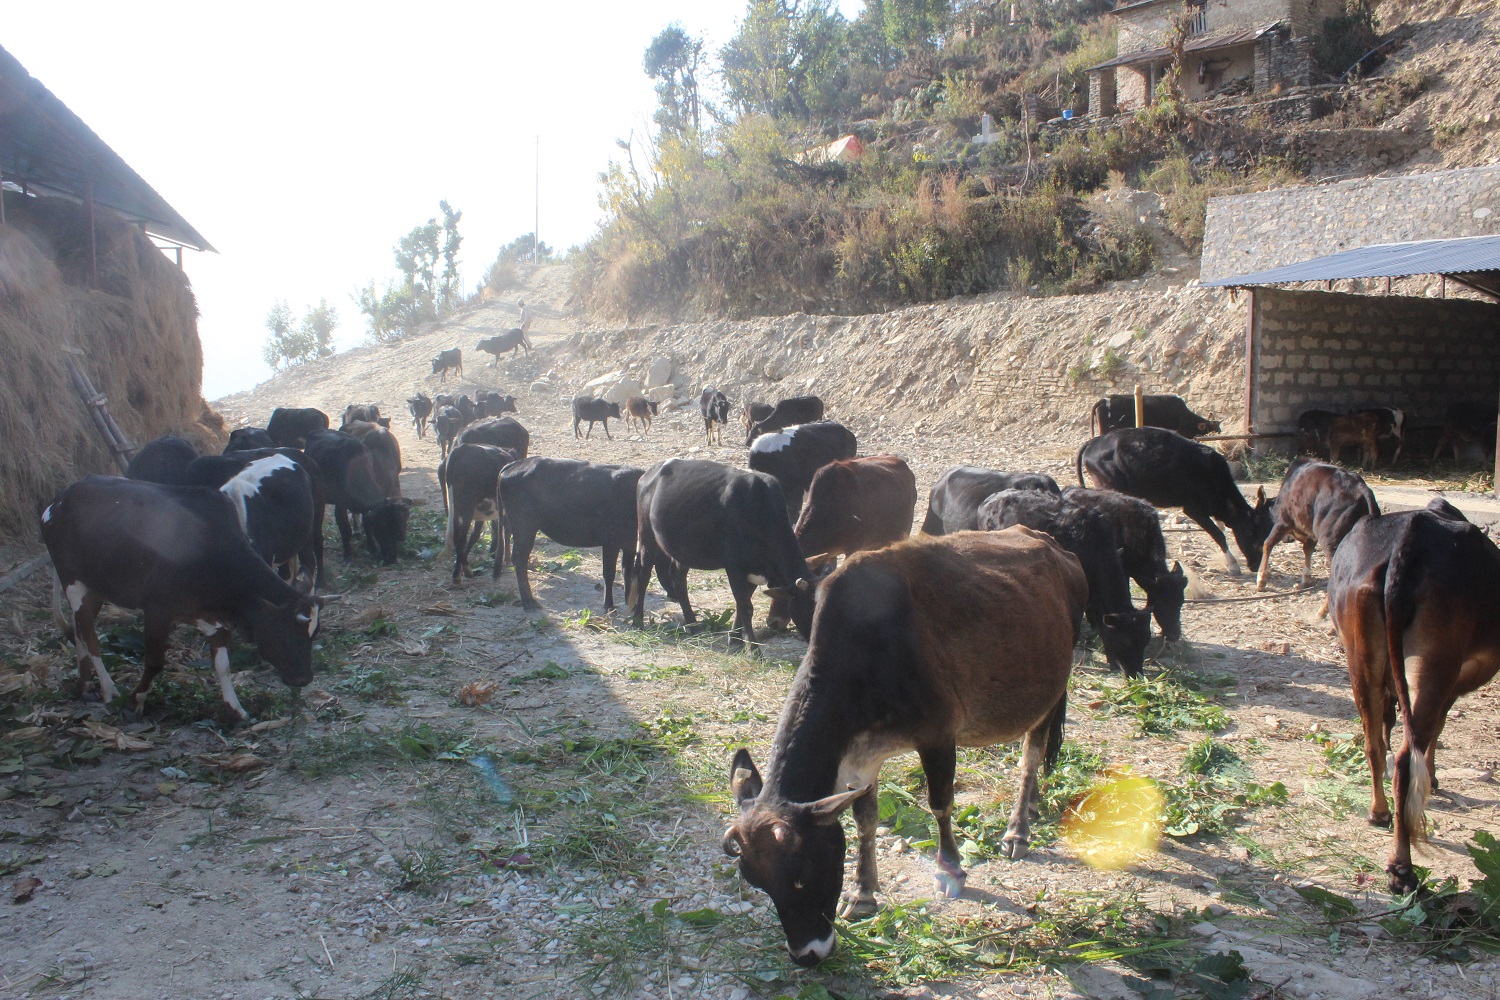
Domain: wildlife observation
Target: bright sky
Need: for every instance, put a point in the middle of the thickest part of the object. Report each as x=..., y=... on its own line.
x=303, y=139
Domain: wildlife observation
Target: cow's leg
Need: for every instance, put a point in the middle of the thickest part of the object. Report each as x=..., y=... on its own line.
x=1365, y=651
x=678, y=588
x=320, y=511
x=940, y=764
x=1307, y=550
x=158, y=629
x=524, y=540
x=1278, y=532
x=1205, y=521
x=608, y=556
x=1016, y=843
x=346, y=533
x=744, y=609
x=85, y=605
x=219, y=642
x=860, y=901
x=648, y=555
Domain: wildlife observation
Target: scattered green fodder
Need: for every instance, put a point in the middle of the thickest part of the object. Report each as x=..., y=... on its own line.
x=372, y=684
x=1212, y=791
x=614, y=950
x=353, y=748
x=1164, y=704
x=421, y=869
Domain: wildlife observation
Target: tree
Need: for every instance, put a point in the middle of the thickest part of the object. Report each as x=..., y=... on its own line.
x=289, y=345
x=914, y=24
x=788, y=60
x=672, y=60
x=387, y=311
x=279, y=349
x=417, y=256
x=449, y=288
x=317, y=328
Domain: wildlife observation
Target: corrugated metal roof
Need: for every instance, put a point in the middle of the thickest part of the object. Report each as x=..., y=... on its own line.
x=1201, y=44
x=1475, y=260
x=48, y=147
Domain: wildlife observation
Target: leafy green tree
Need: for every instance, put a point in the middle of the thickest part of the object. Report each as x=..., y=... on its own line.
x=317, y=328
x=388, y=311
x=279, y=349
x=788, y=59
x=293, y=345
x=914, y=24
x=417, y=256
x=672, y=60
x=448, y=290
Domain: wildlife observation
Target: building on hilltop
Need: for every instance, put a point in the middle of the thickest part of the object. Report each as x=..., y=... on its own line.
x=1244, y=46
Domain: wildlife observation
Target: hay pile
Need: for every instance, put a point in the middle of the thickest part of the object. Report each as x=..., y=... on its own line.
x=137, y=338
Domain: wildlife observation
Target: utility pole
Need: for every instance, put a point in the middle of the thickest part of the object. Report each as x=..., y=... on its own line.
x=536, y=219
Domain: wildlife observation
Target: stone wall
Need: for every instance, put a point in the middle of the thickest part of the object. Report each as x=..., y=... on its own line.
x=1335, y=351
x=1249, y=232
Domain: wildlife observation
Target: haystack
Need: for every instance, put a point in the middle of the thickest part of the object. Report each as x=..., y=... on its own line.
x=135, y=335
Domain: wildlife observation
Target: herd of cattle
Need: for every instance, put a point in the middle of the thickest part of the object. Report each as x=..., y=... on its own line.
x=961, y=636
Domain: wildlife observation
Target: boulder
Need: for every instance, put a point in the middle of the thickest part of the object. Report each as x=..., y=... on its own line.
x=659, y=372
x=542, y=385
x=602, y=381
x=622, y=390
x=661, y=393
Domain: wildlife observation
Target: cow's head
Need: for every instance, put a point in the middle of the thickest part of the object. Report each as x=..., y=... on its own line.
x=386, y=526
x=1167, y=595
x=1126, y=635
x=1252, y=531
x=795, y=852
x=283, y=634
x=797, y=603
x=438, y=364
x=1208, y=427
x=614, y=410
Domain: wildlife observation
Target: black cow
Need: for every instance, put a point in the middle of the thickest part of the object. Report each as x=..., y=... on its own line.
x=578, y=504
x=1467, y=423
x=1168, y=470
x=290, y=427
x=1091, y=536
x=1318, y=505
x=1171, y=412
x=498, y=432
x=465, y=406
x=420, y=408
x=594, y=411
x=953, y=503
x=390, y=520
x=512, y=340
x=177, y=554
x=488, y=403
x=786, y=413
x=714, y=406
x=448, y=422
x=350, y=480
x=249, y=439
x=703, y=515
x=1143, y=553
x=163, y=460
x=470, y=481
x=1312, y=430
x=277, y=500
x=752, y=413
x=450, y=360
x=367, y=412
x=794, y=456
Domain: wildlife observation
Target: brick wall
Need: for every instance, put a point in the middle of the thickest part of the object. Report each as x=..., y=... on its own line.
x=1335, y=351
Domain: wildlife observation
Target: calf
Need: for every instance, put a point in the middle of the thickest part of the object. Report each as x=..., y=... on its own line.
x=488, y=403
x=1467, y=423
x=289, y=428
x=389, y=520
x=511, y=340
x=450, y=360
x=703, y=515
x=163, y=460
x=594, y=411
x=787, y=413
x=1143, y=552
x=794, y=456
x=470, y=479
x=499, y=432
x=1312, y=430
x=248, y=439
x=1348, y=429
x=365, y=412
x=420, y=407
x=1091, y=536
x=578, y=504
x=351, y=480
x=953, y=503
x=714, y=406
x=1170, y=412
x=927, y=645
x=279, y=503
x=1389, y=423
x=753, y=413
x=176, y=554
x=1413, y=597
x=1167, y=470
x=1318, y=505
x=447, y=423
x=640, y=410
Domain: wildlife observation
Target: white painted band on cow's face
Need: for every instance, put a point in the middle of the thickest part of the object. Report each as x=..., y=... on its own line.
x=817, y=949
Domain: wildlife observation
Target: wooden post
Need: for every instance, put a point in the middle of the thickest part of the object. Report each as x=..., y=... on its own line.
x=1443, y=286
x=1251, y=361
x=1140, y=408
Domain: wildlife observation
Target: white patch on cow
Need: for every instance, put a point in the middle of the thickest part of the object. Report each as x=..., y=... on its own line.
x=312, y=623
x=75, y=592
x=226, y=686
x=247, y=484
x=770, y=443
x=817, y=949
x=861, y=763
x=756, y=579
x=1398, y=417
x=47, y=514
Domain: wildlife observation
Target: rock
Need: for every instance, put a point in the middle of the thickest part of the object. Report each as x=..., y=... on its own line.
x=659, y=372
x=1466, y=774
x=603, y=380
x=661, y=393
x=1205, y=929
x=622, y=390
x=1120, y=340
x=543, y=386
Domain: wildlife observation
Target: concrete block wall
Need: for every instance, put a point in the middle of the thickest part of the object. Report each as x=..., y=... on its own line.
x=1336, y=351
x=1249, y=232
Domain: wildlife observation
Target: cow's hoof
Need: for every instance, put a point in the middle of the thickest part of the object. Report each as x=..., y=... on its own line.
x=948, y=884
x=1380, y=819
x=1403, y=879
x=1014, y=846
x=858, y=905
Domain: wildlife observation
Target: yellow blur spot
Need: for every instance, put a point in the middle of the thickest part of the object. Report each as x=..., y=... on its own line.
x=1115, y=824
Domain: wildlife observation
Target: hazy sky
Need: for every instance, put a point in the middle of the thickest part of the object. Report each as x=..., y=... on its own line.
x=303, y=139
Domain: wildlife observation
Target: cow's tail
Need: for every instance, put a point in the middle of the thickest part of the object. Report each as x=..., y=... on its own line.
x=1400, y=609
x=1055, y=722
x=1078, y=464
x=1094, y=422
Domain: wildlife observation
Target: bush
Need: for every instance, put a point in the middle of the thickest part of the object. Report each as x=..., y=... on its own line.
x=1346, y=39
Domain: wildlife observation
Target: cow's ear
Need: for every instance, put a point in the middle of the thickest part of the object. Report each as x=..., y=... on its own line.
x=827, y=810
x=744, y=779
x=1177, y=568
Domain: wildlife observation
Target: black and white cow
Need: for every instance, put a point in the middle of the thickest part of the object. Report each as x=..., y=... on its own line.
x=280, y=507
x=794, y=455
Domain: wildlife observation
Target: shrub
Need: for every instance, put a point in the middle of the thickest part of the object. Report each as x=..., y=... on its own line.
x=1345, y=41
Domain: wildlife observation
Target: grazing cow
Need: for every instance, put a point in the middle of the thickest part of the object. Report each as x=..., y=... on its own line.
x=420, y=407
x=1467, y=423
x=794, y=456
x=489, y=403
x=248, y=439
x=470, y=479
x=289, y=427
x=1143, y=553
x=511, y=340
x=163, y=460
x=714, y=406
x=366, y=412
x=1413, y=597
x=1312, y=430
x=578, y=504
x=1167, y=470
x=1171, y=412
x=594, y=411
x=639, y=409
x=953, y=503
x=450, y=360
x=279, y=502
x=351, y=480
x=1091, y=536
x=927, y=645
x=447, y=423
x=787, y=413
x=1318, y=505
x=498, y=432
x=703, y=515
x=176, y=554
x=753, y=413
x=386, y=452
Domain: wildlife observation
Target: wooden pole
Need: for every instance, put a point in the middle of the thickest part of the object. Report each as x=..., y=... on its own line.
x=1252, y=362
x=120, y=447
x=1140, y=407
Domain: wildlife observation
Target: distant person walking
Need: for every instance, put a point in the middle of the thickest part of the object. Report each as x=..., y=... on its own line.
x=525, y=323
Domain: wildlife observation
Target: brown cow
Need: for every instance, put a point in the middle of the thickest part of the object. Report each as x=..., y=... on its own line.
x=1318, y=505
x=1413, y=598
x=926, y=645
x=639, y=408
